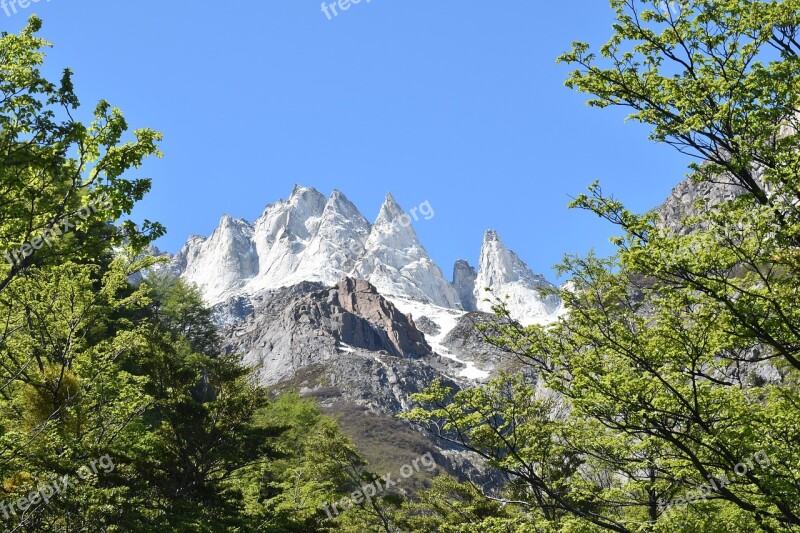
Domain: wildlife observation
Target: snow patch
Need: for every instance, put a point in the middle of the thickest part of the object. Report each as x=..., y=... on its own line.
x=447, y=320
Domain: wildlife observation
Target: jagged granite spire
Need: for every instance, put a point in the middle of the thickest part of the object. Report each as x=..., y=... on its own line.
x=221, y=264
x=511, y=280
x=396, y=263
x=464, y=278
x=340, y=241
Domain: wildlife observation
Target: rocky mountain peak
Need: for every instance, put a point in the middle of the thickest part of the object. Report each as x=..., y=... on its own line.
x=398, y=265
x=498, y=264
x=222, y=263
x=512, y=281
x=310, y=237
x=294, y=218
x=339, y=241
x=464, y=278
x=339, y=204
x=490, y=236
x=301, y=193
x=390, y=210
x=228, y=224
x=394, y=229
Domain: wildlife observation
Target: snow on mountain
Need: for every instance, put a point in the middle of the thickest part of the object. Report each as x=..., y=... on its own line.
x=395, y=262
x=446, y=320
x=343, y=232
x=282, y=234
x=309, y=237
x=221, y=264
x=510, y=280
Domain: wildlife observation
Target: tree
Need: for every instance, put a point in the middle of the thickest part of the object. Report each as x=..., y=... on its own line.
x=678, y=360
x=183, y=460
x=452, y=507
x=63, y=396
x=318, y=468
x=60, y=177
x=117, y=408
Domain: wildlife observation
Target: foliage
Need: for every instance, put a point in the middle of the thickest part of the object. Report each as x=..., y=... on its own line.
x=318, y=467
x=92, y=366
x=674, y=375
x=452, y=507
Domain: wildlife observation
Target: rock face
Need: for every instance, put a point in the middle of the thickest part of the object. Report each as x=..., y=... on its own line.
x=513, y=282
x=339, y=242
x=428, y=326
x=464, y=278
x=469, y=342
x=682, y=201
x=308, y=323
x=397, y=264
x=360, y=300
x=348, y=338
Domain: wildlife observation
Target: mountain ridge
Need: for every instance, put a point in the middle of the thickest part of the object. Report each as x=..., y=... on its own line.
x=310, y=237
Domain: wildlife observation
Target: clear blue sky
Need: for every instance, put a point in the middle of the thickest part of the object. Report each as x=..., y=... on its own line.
x=457, y=103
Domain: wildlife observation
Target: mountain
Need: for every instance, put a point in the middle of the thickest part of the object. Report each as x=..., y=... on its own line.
x=357, y=315
x=529, y=297
x=311, y=238
x=396, y=263
x=465, y=279
x=353, y=351
x=221, y=264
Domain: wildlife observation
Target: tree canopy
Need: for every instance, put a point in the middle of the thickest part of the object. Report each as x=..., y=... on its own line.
x=666, y=398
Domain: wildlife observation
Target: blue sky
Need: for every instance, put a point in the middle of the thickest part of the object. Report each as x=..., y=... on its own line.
x=460, y=104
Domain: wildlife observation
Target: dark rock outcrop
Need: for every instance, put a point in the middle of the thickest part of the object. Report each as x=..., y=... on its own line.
x=464, y=277
x=468, y=342
x=370, y=321
x=428, y=326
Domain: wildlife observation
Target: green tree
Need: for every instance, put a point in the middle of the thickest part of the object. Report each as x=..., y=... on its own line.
x=59, y=176
x=92, y=366
x=64, y=397
x=452, y=507
x=318, y=468
x=185, y=457
x=678, y=360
